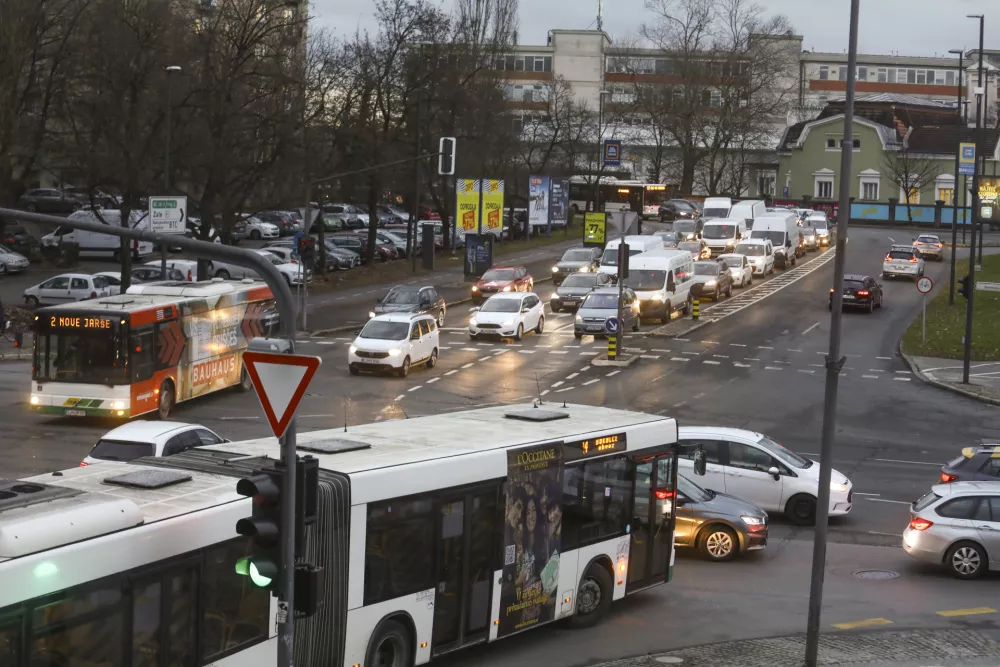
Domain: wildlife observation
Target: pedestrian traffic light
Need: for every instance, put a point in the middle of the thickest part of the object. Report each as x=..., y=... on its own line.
x=446, y=156
x=963, y=286
x=263, y=527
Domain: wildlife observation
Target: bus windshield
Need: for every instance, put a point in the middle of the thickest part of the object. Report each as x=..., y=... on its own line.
x=81, y=356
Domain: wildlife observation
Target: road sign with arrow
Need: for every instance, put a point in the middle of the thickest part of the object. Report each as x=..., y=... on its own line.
x=280, y=381
x=168, y=215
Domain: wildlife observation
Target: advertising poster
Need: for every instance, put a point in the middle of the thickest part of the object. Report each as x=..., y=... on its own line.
x=989, y=199
x=467, y=203
x=478, y=253
x=492, y=204
x=595, y=229
x=532, y=534
x=612, y=153
x=538, y=201
x=559, y=202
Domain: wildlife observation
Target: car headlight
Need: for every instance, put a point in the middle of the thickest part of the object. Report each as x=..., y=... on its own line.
x=475, y=289
x=555, y=269
x=352, y=349
x=710, y=283
x=395, y=352
x=584, y=269
x=507, y=288
x=731, y=244
x=34, y=400
x=118, y=405
x=472, y=321
x=508, y=323
x=371, y=313
x=838, y=486
x=752, y=520
x=579, y=318
x=657, y=297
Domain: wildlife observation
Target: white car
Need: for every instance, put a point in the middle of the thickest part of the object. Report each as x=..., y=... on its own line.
x=149, y=438
x=395, y=342
x=739, y=268
x=114, y=279
x=759, y=254
x=188, y=267
x=257, y=229
x=66, y=288
x=508, y=314
x=292, y=273
x=753, y=467
x=903, y=260
x=11, y=262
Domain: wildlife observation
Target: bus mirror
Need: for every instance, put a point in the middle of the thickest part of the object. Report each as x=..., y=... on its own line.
x=700, y=462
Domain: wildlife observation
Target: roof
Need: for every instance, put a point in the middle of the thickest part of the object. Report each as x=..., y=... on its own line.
x=720, y=430
x=398, y=317
x=958, y=488
x=145, y=431
x=881, y=59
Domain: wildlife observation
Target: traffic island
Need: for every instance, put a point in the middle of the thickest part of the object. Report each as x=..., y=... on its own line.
x=621, y=360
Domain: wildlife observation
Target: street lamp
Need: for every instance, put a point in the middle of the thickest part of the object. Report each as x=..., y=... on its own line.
x=958, y=152
x=967, y=357
x=600, y=143
x=170, y=70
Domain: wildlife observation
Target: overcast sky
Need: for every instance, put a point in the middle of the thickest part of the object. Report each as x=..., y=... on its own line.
x=909, y=27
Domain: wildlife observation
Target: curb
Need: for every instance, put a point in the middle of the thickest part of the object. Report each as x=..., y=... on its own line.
x=15, y=356
x=943, y=385
x=683, y=332
x=623, y=363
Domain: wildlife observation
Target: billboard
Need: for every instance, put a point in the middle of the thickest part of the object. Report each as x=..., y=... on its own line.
x=467, y=203
x=538, y=201
x=492, y=204
x=595, y=229
x=989, y=199
x=532, y=537
x=612, y=153
x=559, y=202
x=966, y=159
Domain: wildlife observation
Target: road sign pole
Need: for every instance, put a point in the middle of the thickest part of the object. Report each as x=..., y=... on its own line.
x=923, y=326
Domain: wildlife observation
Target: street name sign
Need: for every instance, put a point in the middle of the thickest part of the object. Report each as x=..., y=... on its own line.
x=168, y=215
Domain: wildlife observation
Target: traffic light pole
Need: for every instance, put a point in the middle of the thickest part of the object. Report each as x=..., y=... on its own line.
x=971, y=287
x=286, y=588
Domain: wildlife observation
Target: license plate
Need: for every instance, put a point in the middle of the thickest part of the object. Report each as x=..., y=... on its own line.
x=849, y=296
x=76, y=413
x=370, y=361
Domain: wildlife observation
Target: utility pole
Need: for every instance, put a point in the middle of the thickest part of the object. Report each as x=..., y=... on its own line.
x=954, y=194
x=967, y=357
x=834, y=362
x=170, y=70
x=412, y=243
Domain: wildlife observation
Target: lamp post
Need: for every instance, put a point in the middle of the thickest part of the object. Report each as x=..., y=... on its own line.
x=967, y=357
x=600, y=145
x=170, y=71
x=954, y=192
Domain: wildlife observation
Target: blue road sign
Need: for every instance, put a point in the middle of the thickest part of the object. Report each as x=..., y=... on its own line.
x=967, y=159
x=612, y=152
x=612, y=325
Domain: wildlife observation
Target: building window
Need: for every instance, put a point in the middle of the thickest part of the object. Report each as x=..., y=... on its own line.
x=857, y=144
x=949, y=78
x=911, y=197
x=831, y=144
x=892, y=76
x=946, y=195
x=862, y=74
x=922, y=76
x=911, y=76
x=824, y=72
x=869, y=190
x=882, y=75
x=944, y=189
x=824, y=187
x=842, y=76
x=939, y=77
x=765, y=184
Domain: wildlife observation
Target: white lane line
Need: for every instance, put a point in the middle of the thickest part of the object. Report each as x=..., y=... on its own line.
x=326, y=342
x=710, y=342
x=791, y=350
x=571, y=376
x=810, y=329
x=657, y=350
x=870, y=377
x=721, y=356
x=903, y=373
x=499, y=352
x=886, y=500
x=401, y=396
x=612, y=373
x=679, y=359
x=469, y=365
x=916, y=463
x=752, y=359
x=858, y=493
x=884, y=358
x=433, y=380
x=685, y=340
x=694, y=354
x=558, y=384
x=526, y=351
x=711, y=362
x=451, y=372
x=807, y=370
x=340, y=298
x=414, y=388
x=901, y=379
x=739, y=365
x=559, y=391
x=470, y=349
x=772, y=368
x=649, y=356
x=820, y=352
x=681, y=404
x=737, y=345
x=444, y=347
x=544, y=392
x=817, y=365
x=877, y=370
x=697, y=396
x=585, y=369
x=764, y=347
x=558, y=352
x=589, y=354
x=591, y=381
x=489, y=356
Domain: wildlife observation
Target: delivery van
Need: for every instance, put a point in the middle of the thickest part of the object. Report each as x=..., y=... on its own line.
x=662, y=280
x=782, y=230
x=748, y=211
x=636, y=246
x=722, y=235
x=95, y=244
x=716, y=207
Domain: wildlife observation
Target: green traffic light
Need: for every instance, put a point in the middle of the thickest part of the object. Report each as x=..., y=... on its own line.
x=247, y=568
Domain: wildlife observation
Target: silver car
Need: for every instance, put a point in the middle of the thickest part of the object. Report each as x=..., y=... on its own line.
x=957, y=525
x=602, y=303
x=11, y=262
x=929, y=246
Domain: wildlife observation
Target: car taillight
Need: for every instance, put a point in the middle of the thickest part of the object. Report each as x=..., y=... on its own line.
x=83, y=463
x=937, y=245
x=947, y=479
x=888, y=258
x=913, y=260
x=862, y=292
x=916, y=523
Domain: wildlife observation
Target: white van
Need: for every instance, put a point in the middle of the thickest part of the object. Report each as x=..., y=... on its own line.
x=721, y=236
x=94, y=244
x=782, y=230
x=662, y=280
x=636, y=246
x=748, y=211
x=716, y=207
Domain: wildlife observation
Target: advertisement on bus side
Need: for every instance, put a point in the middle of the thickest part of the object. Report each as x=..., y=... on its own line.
x=532, y=534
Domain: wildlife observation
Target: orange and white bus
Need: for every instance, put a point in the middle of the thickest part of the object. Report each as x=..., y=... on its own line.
x=146, y=350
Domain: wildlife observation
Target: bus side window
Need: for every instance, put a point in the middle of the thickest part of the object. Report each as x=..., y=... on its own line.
x=235, y=612
x=399, y=549
x=142, y=344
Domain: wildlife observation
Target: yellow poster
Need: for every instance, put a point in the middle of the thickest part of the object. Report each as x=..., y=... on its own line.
x=467, y=203
x=492, y=204
x=594, y=229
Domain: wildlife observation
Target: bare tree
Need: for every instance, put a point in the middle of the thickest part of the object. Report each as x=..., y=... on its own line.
x=911, y=172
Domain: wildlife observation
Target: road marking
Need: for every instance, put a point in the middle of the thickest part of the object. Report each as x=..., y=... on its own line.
x=772, y=368
x=695, y=354
x=585, y=369
x=451, y=372
x=488, y=356
x=876, y=370
x=237, y=419
x=470, y=349
x=711, y=362
x=559, y=391
x=444, y=347
x=544, y=392
x=875, y=532
x=656, y=350
x=591, y=381
x=866, y=623
x=904, y=373
x=764, y=347
x=402, y=396
x=685, y=340
x=589, y=354
x=901, y=379
x=612, y=373
x=721, y=356
x=499, y=352
x=886, y=500
x=697, y=396
x=468, y=365
x=884, y=358
x=791, y=350
x=739, y=365
x=710, y=342
x=807, y=370
x=817, y=365
x=414, y=388
x=751, y=359
x=558, y=352
x=526, y=351
x=891, y=240
x=679, y=359
x=810, y=329
x=649, y=356
x=971, y=611
x=433, y=380
x=870, y=377
x=858, y=493
x=681, y=404
x=558, y=384
x=571, y=376
x=917, y=463
x=326, y=342
x=737, y=345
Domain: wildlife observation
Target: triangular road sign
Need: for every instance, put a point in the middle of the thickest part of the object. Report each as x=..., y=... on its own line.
x=280, y=381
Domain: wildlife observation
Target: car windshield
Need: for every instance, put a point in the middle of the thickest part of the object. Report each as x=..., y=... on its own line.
x=776, y=238
x=646, y=280
x=600, y=302
x=901, y=254
x=719, y=231
x=610, y=257
x=402, y=295
x=499, y=274
x=65, y=354
x=121, y=450
x=682, y=204
x=4, y=249
x=750, y=249
x=494, y=305
x=694, y=492
x=783, y=453
x=690, y=246
x=808, y=231
x=817, y=223
x=685, y=226
x=581, y=280
x=715, y=213
x=706, y=269
x=921, y=239
x=577, y=256
x=383, y=330
x=668, y=237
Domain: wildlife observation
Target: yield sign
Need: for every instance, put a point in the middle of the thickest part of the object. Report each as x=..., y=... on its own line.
x=280, y=381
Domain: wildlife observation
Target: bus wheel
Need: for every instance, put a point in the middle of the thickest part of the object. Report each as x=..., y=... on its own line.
x=593, y=597
x=390, y=646
x=246, y=384
x=166, y=402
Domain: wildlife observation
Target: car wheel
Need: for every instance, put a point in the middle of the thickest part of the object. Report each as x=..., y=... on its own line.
x=520, y=332
x=3, y=269
x=354, y=370
x=473, y=336
x=541, y=325
x=440, y=318
x=750, y=279
x=801, y=509
x=577, y=335
x=729, y=290
x=966, y=560
x=404, y=370
x=871, y=306
x=715, y=296
x=718, y=543
x=593, y=597
x=31, y=207
x=390, y=646
x=31, y=301
x=255, y=235
x=222, y=273
x=879, y=301
x=166, y=401
x=635, y=325
x=432, y=362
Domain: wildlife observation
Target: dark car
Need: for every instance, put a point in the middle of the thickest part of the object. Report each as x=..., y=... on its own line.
x=411, y=299
x=711, y=280
x=860, y=292
x=572, y=290
x=502, y=279
x=688, y=230
x=720, y=526
x=148, y=274
x=92, y=197
x=337, y=259
x=698, y=249
x=678, y=209
x=49, y=200
x=576, y=260
x=976, y=464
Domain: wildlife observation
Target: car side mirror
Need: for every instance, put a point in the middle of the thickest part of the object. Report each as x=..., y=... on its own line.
x=526, y=309
x=475, y=309
x=774, y=472
x=700, y=462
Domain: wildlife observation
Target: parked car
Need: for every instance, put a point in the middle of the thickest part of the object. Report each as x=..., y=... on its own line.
x=576, y=260
x=348, y=213
x=574, y=288
x=257, y=229
x=149, y=274
x=387, y=239
x=66, y=288
x=332, y=223
x=760, y=254
x=49, y=200
x=975, y=464
x=602, y=303
x=903, y=260
x=739, y=268
x=502, y=279
x=711, y=280
x=860, y=292
x=720, y=526
x=508, y=315
x=11, y=262
x=114, y=279
x=957, y=525
x=292, y=273
x=395, y=342
x=337, y=258
x=283, y=220
x=92, y=197
x=424, y=300
x=188, y=268
x=678, y=209
x=929, y=246
x=150, y=438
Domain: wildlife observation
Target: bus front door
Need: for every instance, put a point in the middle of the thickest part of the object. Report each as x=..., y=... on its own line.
x=652, y=527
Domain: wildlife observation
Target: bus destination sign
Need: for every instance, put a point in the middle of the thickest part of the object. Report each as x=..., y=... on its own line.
x=79, y=322
x=605, y=444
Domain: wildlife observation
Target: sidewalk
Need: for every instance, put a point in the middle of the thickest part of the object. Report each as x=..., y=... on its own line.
x=895, y=648
x=984, y=376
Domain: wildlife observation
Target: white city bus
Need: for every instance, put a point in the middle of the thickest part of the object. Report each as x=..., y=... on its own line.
x=435, y=533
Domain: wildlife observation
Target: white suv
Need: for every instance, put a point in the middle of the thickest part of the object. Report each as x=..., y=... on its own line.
x=395, y=342
x=903, y=260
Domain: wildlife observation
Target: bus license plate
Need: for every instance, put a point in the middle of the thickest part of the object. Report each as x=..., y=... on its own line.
x=76, y=413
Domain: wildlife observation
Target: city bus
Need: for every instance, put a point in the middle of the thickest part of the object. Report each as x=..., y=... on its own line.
x=145, y=351
x=619, y=195
x=435, y=533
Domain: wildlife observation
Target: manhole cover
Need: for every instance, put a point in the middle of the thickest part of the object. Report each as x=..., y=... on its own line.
x=876, y=574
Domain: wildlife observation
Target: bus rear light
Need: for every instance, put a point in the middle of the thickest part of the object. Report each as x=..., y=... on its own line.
x=663, y=494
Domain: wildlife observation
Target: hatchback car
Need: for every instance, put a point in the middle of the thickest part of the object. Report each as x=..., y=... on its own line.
x=929, y=246
x=574, y=288
x=957, y=525
x=395, y=342
x=698, y=249
x=740, y=268
x=502, y=279
x=719, y=525
x=424, y=300
x=150, y=438
x=11, y=262
x=760, y=254
x=670, y=239
x=509, y=316
x=758, y=469
x=602, y=303
x=821, y=224
x=257, y=229
x=903, y=260
x=148, y=274
x=114, y=279
x=711, y=280
x=975, y=464
x=66, y=288
x=860, y=292
x=49, y=200
x=810, y=239
x=576, y=260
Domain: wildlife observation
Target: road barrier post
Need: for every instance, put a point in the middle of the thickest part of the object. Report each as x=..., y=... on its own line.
x=612, y=347
x=695, y=309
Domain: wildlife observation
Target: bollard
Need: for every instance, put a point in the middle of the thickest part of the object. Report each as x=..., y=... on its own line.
x=612, y=348
x=695, y=308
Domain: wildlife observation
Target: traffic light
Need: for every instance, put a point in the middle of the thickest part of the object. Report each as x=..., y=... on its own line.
x=264, y=527
x=306, y=249
x=446, y=156
x=963, y=288
x=623, y=261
